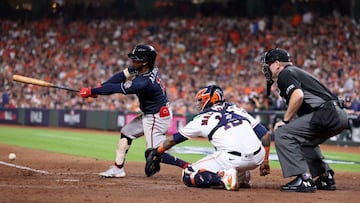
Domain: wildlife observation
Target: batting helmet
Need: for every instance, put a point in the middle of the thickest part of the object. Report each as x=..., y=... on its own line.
x=208, y=96
x=143, y=52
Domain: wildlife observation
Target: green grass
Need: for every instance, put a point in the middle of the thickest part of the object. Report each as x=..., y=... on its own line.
x=102, y=145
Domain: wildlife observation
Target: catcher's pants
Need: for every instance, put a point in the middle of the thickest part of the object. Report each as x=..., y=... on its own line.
x=222, y=160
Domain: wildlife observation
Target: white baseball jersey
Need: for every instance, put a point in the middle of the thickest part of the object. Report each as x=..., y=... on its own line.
x=230, y=130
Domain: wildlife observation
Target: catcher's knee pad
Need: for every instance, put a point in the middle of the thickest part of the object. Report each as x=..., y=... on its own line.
x=188, y=176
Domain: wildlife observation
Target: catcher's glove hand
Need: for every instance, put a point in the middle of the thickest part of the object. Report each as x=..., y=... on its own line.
x=264, y=168
x=153, y=158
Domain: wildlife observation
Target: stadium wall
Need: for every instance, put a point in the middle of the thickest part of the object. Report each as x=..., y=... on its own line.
x=114, y=120
x=91, y=119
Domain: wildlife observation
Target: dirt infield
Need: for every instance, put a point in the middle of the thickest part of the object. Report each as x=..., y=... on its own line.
x=52, y=177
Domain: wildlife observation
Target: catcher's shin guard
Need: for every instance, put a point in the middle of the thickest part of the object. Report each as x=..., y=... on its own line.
x=244, y=178
x=200, y=178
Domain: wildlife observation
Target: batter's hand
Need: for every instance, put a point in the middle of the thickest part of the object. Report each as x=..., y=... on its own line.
x=264, y=168
x=85, y=92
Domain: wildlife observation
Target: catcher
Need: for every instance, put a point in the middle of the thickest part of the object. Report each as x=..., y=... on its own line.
x=241, y=143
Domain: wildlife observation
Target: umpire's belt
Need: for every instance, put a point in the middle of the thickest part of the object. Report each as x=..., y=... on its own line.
x=239, y=153
x=339, y=103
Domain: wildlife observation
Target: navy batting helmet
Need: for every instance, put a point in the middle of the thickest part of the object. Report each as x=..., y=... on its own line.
x=143, y=52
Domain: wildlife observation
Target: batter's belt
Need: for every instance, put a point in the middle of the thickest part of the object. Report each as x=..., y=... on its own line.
x=239, y=153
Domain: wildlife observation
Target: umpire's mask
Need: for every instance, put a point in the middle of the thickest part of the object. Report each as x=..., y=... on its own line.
x=267, y=73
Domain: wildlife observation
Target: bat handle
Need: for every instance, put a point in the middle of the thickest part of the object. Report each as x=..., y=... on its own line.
x=66, y=88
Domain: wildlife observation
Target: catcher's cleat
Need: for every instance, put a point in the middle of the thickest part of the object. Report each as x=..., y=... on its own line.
x=299, y=184
x=244, y=179
x=326, y=181
x=229, y=179
x=113, y=172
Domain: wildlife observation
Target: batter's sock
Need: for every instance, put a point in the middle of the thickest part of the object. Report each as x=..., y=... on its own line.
x=119, y=166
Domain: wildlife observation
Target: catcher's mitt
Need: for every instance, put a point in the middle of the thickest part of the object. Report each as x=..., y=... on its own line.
x=153, y=159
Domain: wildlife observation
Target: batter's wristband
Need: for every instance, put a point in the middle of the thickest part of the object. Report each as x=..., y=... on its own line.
x=267, y=152
x=161, y=148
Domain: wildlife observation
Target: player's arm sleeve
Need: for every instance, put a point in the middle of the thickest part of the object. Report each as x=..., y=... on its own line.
x=170, y=141
x=260, y=130
x=179, y=138
x=108, y=89
x=135, y=86
x=121, y=76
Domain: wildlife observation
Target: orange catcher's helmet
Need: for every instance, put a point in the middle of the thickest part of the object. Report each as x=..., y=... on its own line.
x=208, y=96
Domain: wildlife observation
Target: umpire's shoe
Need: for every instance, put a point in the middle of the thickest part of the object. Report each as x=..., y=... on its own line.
x=326, y=181
x=300, y=184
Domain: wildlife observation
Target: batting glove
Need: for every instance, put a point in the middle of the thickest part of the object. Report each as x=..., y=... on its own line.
x=85, y=92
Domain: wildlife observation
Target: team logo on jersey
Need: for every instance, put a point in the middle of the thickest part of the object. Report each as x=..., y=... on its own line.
x=127, y=84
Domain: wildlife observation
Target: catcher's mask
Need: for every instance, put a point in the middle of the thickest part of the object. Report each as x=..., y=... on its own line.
x=270, y=57
x=208, y=96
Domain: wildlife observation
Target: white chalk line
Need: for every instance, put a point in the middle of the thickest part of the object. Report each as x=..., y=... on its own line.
x=42, y=171
x=32, y=186
x=24, y=168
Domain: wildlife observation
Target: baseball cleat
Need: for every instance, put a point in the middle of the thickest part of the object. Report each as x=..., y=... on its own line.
x=229, y=179
x=113, y=172
x=326, y=181
x=244, y=179
x=299, y=185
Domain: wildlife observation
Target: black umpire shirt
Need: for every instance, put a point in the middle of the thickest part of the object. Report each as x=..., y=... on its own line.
x=315, y=93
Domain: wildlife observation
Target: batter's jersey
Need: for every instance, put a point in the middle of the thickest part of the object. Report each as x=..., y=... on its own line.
x=148, y=87
x=315, y=93
x=227, y=127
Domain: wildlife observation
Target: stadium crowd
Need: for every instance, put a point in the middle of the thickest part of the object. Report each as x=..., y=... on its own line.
x=191, y=53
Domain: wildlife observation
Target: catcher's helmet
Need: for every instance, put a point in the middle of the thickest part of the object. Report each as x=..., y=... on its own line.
x=277, y=54
x=143, y=52
x=208, y=96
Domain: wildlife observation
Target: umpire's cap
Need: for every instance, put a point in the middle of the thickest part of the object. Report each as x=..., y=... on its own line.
x=143, y=52
x=277, y=54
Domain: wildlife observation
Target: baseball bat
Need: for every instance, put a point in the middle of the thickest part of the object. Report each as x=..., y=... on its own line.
x=28, y=80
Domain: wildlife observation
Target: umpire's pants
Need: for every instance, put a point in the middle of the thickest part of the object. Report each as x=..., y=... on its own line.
x=297, y=144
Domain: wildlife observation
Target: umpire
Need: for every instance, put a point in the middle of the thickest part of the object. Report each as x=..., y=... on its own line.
x=313, y=115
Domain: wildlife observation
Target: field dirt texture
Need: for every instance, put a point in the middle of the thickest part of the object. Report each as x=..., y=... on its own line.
x=39, y=176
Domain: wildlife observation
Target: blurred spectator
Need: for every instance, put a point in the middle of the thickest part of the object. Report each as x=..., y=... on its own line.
x=196, y=50
x=5, y=99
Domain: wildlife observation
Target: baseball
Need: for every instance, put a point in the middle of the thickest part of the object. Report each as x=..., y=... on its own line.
x=12, y=156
